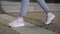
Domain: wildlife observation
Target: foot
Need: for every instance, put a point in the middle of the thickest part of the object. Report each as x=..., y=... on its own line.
x=17, y=23
x=50, y=17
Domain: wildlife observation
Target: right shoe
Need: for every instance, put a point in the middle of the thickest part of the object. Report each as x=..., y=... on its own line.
x=50, y=17
x=17, y=23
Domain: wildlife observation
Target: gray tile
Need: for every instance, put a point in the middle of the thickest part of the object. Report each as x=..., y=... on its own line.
x=28, y=29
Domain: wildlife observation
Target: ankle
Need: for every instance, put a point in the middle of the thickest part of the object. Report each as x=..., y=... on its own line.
x=49, y=13
x=20, y=18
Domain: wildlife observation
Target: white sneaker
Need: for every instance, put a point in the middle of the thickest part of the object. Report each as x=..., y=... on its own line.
x=17, y=23
x=50, y=17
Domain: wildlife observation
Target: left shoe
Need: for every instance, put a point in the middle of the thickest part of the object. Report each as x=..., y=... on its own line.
x=17, y=23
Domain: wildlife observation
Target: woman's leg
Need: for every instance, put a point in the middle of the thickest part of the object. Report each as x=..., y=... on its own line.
x=20, y=21
x=24, y=7
x=44, y=6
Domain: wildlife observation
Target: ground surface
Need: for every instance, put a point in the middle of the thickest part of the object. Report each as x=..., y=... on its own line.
x=37, y=18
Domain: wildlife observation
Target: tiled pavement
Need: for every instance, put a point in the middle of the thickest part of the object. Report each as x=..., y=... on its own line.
x=34, y=18
x=6, y=30
x=38, y=18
